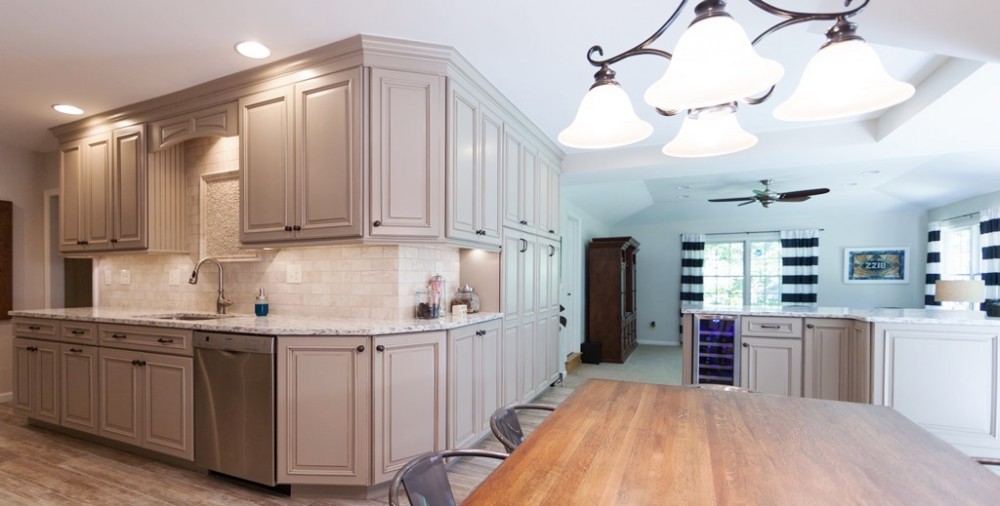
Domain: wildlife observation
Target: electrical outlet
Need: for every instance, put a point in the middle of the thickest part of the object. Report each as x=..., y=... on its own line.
x=107, y=277
x=293, y=274
x=125, y=277
x=175, y=277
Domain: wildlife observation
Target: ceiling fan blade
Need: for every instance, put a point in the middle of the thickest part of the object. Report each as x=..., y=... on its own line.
x=796, y=199
x=734, y=199
x=750, y=202
x=804, y=193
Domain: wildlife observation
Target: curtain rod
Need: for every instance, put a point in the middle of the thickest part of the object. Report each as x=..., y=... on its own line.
x=757, y=232
x=953, y=218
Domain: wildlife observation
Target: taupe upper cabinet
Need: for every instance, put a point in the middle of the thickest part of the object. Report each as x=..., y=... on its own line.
x=300, y=153
x=407, y=154
x=475, y=162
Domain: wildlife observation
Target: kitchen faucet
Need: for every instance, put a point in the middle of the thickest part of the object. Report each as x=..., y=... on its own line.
x=222, y=302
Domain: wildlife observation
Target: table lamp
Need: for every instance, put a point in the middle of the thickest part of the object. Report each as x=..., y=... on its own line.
x=968, y=291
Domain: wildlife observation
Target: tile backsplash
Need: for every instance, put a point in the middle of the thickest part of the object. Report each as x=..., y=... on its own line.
x=351, y=281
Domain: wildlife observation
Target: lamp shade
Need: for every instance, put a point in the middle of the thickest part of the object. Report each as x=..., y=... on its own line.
x=843, y=79
x=709, y=135
x=713, y=63
x=605, y=119
x=960, y=290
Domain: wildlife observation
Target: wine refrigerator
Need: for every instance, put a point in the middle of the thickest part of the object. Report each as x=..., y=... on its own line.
x=717, y=349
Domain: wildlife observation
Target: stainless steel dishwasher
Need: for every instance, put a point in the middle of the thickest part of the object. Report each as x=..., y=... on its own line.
x=234, y=405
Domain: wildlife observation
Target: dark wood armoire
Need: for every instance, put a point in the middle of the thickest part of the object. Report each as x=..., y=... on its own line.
x=611, y=296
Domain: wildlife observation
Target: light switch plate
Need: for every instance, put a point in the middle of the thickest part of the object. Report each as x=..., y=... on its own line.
x=126, y=277
x=175, y=277
x=293, y=274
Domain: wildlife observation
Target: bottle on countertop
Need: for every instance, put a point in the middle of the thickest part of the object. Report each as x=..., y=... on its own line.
x=260, y=307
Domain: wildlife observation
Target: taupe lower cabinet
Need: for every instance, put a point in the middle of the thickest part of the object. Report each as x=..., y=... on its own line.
x=475, y=359
x=79, y=390
x=36, y=379
x=300, y=154
x=333, y=390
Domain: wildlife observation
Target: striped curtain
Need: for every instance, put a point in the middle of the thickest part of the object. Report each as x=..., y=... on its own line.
x=799, y=266
x=989, y=242
x=933, y=269
x=692, y=261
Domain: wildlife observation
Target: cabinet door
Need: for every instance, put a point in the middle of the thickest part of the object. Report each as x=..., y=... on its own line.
x=528, y=197
x=324, y=410
x=540, y=225
x=464, y=169
x=99, y=228
x=266, y=182
x=72, y=197
x=328, y=156
x=555, y=272
x=79, y=387
x=527, y=349
x=553, y=202
x=772, y=365
x=407, y=154
x=511, y=363
x=36, y=375
x=463, y=387
x=408, y=391
x=859, y=367
x=552, y=358
x=129, y=188
x=490, y=362
x=826, y=359
x=168, y=404
x=491, y=189
x=22, y=375
x=540, y=354
x=512, y=172
x=513, y=274
x=530, y=282
x=119, y=397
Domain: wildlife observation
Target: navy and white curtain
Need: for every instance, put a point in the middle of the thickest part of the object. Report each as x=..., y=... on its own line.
x=799, y=266
x=692, y=261
x=989, y=242
x=933, y=269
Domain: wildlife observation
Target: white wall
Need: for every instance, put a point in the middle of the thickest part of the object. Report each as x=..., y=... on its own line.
x=659, y=261
x=971, y=205
x=25, y=175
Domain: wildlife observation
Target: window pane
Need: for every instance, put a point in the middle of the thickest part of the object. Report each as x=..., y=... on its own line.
x=727, y=284
x=723, y=273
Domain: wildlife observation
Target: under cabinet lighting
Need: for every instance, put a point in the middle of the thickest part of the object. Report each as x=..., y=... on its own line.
x=253, y=49
x=68, y=109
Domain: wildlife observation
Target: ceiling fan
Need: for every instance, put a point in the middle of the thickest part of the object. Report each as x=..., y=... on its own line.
x=767, y=196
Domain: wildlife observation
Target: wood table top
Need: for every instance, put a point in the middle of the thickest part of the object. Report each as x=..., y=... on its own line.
x=624, y=443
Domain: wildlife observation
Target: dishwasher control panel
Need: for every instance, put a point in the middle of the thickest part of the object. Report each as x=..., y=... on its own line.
x=246, y=343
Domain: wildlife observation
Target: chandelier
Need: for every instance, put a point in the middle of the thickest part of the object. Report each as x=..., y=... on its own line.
x=714, y=65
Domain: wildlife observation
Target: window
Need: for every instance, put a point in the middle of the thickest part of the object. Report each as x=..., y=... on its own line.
x=960, y=253
x=739, y=273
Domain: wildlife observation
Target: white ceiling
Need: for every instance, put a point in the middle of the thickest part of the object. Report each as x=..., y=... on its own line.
x=937, y=148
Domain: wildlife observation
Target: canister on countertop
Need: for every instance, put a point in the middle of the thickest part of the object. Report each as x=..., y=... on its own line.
x=467, y=296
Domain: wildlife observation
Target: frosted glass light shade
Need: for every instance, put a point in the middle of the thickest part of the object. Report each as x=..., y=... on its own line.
x=713, y=63
x=843, y=79
x=710, y=135
x=605, y=119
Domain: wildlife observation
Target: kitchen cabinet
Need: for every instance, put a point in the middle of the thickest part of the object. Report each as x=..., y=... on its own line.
x=109, y=198
x=79, y=388
x=300, y=148
x=409, y=398
x=146, y=399
x=827, y=345
x=474, y=389
x=859, y=368
x=215, y=121
x=553, y=195
x=407, y=154
x=511, y=363
x=475, y=158
x=36, y=379
x=519, y=182
x=772, y=365
x=520, y=275
x=324, y=410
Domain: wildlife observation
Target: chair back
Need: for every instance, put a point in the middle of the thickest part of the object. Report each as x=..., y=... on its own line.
x=425, y=478
x=507, y=428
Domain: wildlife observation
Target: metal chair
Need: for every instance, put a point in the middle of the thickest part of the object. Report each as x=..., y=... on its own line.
x=507, y=428
x=426, y=481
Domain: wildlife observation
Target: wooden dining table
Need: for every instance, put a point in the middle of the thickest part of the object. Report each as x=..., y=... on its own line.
x=624, y=443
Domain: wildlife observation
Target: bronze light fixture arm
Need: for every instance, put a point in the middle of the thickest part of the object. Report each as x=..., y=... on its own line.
x=795, y=18
x=642, y=48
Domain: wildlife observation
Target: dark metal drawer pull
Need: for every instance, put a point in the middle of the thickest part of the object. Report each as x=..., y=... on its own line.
x=770, y=326
x=165, y=340
x=119, y=336
x=78, y=332
x=32, y=348
x=34, y=327
x=76, y=350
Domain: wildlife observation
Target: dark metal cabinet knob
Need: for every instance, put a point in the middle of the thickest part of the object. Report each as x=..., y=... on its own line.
x=377, y=223
x=380, y=348
x=745, y=345
x=361, y=348
x=288, y=228
x=809, y=326
x=297, y=228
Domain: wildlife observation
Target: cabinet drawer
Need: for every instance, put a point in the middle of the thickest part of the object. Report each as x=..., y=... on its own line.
x=158, y=339
x=78, y=332
x=34, y=327
x=771, y=326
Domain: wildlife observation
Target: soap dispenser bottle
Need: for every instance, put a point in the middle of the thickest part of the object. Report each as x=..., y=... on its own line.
x=260, y=307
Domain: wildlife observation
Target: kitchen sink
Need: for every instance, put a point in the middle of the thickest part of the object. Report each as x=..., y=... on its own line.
x=187, y=317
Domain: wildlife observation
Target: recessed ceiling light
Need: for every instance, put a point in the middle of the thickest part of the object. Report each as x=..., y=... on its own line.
x=253, y=49
x=683, y=187
x=683, y=196
x=68, y=109
x=871, y=172
x=851, y=184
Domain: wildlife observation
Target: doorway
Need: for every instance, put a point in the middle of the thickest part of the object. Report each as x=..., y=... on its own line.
x=69, y=282
x=570, y=289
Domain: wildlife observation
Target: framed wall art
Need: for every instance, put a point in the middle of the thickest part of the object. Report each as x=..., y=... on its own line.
x=876, y=265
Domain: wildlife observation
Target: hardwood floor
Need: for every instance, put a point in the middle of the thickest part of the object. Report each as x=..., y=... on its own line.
x=41, y=467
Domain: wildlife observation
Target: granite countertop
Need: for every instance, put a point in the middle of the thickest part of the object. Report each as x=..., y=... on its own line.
x=274, y=325
x=874, y=315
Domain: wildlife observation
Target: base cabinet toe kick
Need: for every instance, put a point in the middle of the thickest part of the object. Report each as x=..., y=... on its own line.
x=940, y=374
